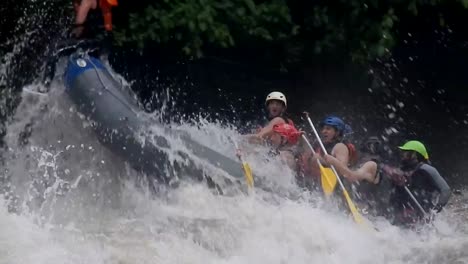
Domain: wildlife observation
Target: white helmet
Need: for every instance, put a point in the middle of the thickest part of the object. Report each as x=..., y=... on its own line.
x=276, y=96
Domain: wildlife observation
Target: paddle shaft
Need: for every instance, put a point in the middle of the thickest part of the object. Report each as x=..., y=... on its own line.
x=308, y=144
x=357, y=216
x=416, y=201
x=325, y=151
x=311, y=148
x=328, y=181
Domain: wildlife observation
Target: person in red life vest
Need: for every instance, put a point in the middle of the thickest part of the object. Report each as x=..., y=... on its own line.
x=283, y=139
x=276, y=104
x=82, y=9
x=333, y=131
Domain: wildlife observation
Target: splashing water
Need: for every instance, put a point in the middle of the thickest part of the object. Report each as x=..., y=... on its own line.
x=75, y=202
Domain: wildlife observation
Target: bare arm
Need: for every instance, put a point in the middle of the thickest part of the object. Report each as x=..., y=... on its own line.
x=269, y=128
x=264, y=132
x=83, y=9
x=341, y=168
x=367, y=171
x=254, y=139
x=341, y=152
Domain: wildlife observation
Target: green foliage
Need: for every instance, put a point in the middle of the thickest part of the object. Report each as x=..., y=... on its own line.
x=363, y=30
x=360, y=29
x=194, y=24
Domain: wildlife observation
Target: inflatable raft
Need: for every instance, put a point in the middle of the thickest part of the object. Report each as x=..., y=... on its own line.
x=114, y=116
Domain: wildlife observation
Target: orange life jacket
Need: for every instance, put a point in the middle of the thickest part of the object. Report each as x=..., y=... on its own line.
x=106, y=6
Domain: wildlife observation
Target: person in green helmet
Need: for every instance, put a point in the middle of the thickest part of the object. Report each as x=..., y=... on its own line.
x=422, y=181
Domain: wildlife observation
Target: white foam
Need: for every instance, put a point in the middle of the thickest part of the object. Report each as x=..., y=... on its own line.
x=80, y=205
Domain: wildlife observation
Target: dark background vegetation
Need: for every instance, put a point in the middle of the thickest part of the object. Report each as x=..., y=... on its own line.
x=392, y=68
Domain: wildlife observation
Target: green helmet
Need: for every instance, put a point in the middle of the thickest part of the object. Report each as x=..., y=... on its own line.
x=416, y=146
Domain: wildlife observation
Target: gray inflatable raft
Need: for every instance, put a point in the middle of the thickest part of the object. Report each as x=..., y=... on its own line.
x=114, y=115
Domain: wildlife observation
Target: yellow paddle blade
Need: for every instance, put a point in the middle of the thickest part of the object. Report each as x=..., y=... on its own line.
x=328, y=180
x=356, y=215
x=248, y=174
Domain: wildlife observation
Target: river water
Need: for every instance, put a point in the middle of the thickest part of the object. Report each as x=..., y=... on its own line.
x=67, y=199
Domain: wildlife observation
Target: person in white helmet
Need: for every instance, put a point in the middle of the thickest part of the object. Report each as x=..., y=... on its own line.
x=276, y=104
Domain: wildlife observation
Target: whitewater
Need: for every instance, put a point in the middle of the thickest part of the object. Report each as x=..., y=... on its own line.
x=67, y=199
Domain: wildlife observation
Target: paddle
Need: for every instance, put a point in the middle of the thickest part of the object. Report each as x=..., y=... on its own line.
x=356, y=215
x=416, y=202
x=247, y=171
x=328, y=179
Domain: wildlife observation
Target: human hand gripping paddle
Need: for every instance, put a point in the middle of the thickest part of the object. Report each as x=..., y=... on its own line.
x=328, y=179
x=247, y=171
x=356, y=215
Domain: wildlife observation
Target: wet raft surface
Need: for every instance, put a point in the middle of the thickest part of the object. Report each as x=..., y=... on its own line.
x=114, y=115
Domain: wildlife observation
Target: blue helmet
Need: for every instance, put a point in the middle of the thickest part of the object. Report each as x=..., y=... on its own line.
x=337, y=123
